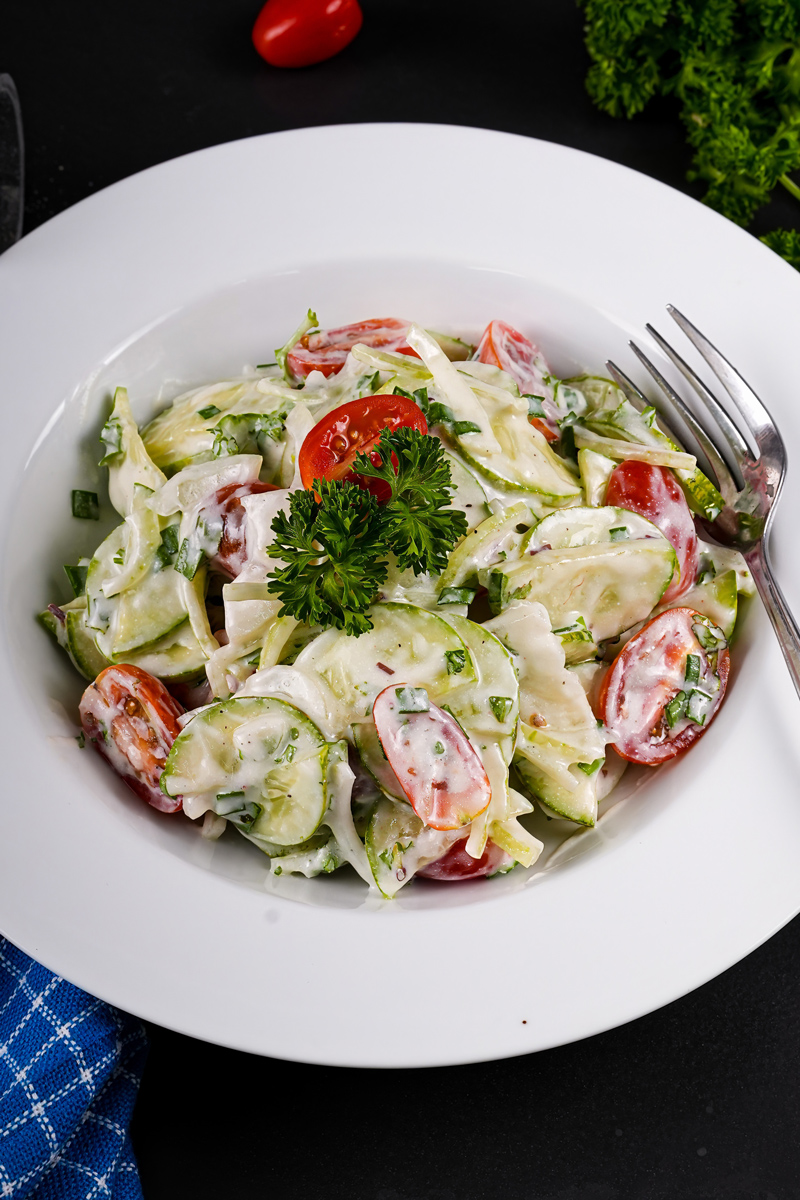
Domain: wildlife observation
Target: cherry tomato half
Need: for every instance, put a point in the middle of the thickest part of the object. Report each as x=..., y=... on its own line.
x=330, y=448
x=655, y=684
x=132, y=720
x=226, y=506
x=654, y=493
x=327, y=350
x=298, y=33
x=504, y=346
x=433, y=760
x=457, y=864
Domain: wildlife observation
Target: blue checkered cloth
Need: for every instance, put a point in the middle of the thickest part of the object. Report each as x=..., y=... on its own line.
x=70, y=1067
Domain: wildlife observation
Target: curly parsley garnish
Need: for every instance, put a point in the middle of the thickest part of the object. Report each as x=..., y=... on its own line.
x=336, y=541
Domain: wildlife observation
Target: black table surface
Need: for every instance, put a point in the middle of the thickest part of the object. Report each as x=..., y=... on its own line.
x=697, y=1100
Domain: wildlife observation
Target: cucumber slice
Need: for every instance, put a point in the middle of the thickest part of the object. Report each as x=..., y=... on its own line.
x=177, y=658
x=374, y=760
x=547, y=767
x=480, y=707
x=495, y=539
x=468, y=496
x=411, y=642
x=454, y=348
x=138, y=617
x=526, y=462
x=595, y=471
x=261, y=755
x=81, y=646
x=611, y=586
x=716, y=598
x=589, y=526
x=398, y=845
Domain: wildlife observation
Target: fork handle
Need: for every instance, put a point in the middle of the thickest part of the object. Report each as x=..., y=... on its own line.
x=780, y=615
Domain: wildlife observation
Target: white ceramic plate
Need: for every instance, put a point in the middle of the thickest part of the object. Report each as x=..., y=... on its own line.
x=183, y=274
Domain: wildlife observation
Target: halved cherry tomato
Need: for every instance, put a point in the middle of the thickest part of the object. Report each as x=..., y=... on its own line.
x=544, y=428
x=132, y=720
x=330, y=448
x=457, y=864
x=432, y=758
x=650, y=673
x=226, y=506
x=504, y=346
x=654, y=493
x=298, y=33
x=327, y=350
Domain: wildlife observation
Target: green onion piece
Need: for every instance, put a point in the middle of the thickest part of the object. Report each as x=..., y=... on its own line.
x=461, y=427
x=676, y=709
x=228, y=802
x=456, y=661
x=692, y=673
x=620, y=534
x=264, y=366
x=209, y=411
x=412, y=700
x=698, y=707
x=708, y=635
x=166, y=552
x=578, y=631
x=590, y=768
x=438, y=748
x=85, y=506
x=535, y=406
x=81, y=739
x=454, y=595
x=501, y=706
x=77, y=579
x=119, y=557
x=189, y=559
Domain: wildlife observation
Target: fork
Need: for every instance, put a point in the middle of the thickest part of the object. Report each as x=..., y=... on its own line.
x=747, y=461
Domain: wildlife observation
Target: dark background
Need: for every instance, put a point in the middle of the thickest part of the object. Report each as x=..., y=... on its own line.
x=698, y=1100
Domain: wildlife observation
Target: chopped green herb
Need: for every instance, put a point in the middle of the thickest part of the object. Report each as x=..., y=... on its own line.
x=81, y=739
x=501, y=706
x=698, y=707
x=277, y=870
x=77, y=578
x=189, y=559
x=412, y=700
x=708, y=635
x=535, y=406
x=456, y=661
x=590, y=768
x=166, y=552
x=85, y=505
x=208, y=412
x=692, y=673
x=254, y=659
x=438, y=748
x=265, y=366
x=619, y=534
x=676, y=709
x=578, y=631
x=453, y=595
x=111, y=437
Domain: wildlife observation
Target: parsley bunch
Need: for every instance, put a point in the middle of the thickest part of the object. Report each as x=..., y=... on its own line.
x=734, y=66
x=336, y=541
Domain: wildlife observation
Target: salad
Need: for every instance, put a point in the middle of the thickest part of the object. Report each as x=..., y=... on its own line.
x=373, y=602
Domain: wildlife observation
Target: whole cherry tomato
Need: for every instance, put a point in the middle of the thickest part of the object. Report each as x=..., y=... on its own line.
x=439, y=771
x=132, y=720
x=298, y=33
x=654, y=493
x=457, y=864
x=226, y=506
x=665, y=687
x=327, y=350
x=330, y=448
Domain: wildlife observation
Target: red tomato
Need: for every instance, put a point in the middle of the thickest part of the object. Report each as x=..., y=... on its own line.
x=433, y=760
x=132, y=720
x=504, y=346
x=226, y=506
x=457, y=864
x=298, y=33
x=648, y=674
x=653, y=493
x=544, y=428
x=327, y=350
x=330, y=448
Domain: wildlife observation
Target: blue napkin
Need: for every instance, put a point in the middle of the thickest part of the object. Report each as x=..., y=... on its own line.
x=70, y=1068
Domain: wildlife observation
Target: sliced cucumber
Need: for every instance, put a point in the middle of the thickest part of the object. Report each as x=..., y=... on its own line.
x=454, y=348
x=398, y=845
x=82, y=647
x=468, y=496
x=495, y=539
x=595, y=470
x=406, y=645
x=374, y=761
x=587, y=527
x=716, y=598
x=261, y=760
x=526, y=462
x=177, y=658
x=547, y=766
x=480, y=707
x=611, y=586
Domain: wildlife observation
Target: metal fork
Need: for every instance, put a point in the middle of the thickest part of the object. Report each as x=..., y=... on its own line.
x=747, y=462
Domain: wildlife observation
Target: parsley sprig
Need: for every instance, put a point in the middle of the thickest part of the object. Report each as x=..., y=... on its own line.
x=336, y=541
x=734, y=67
